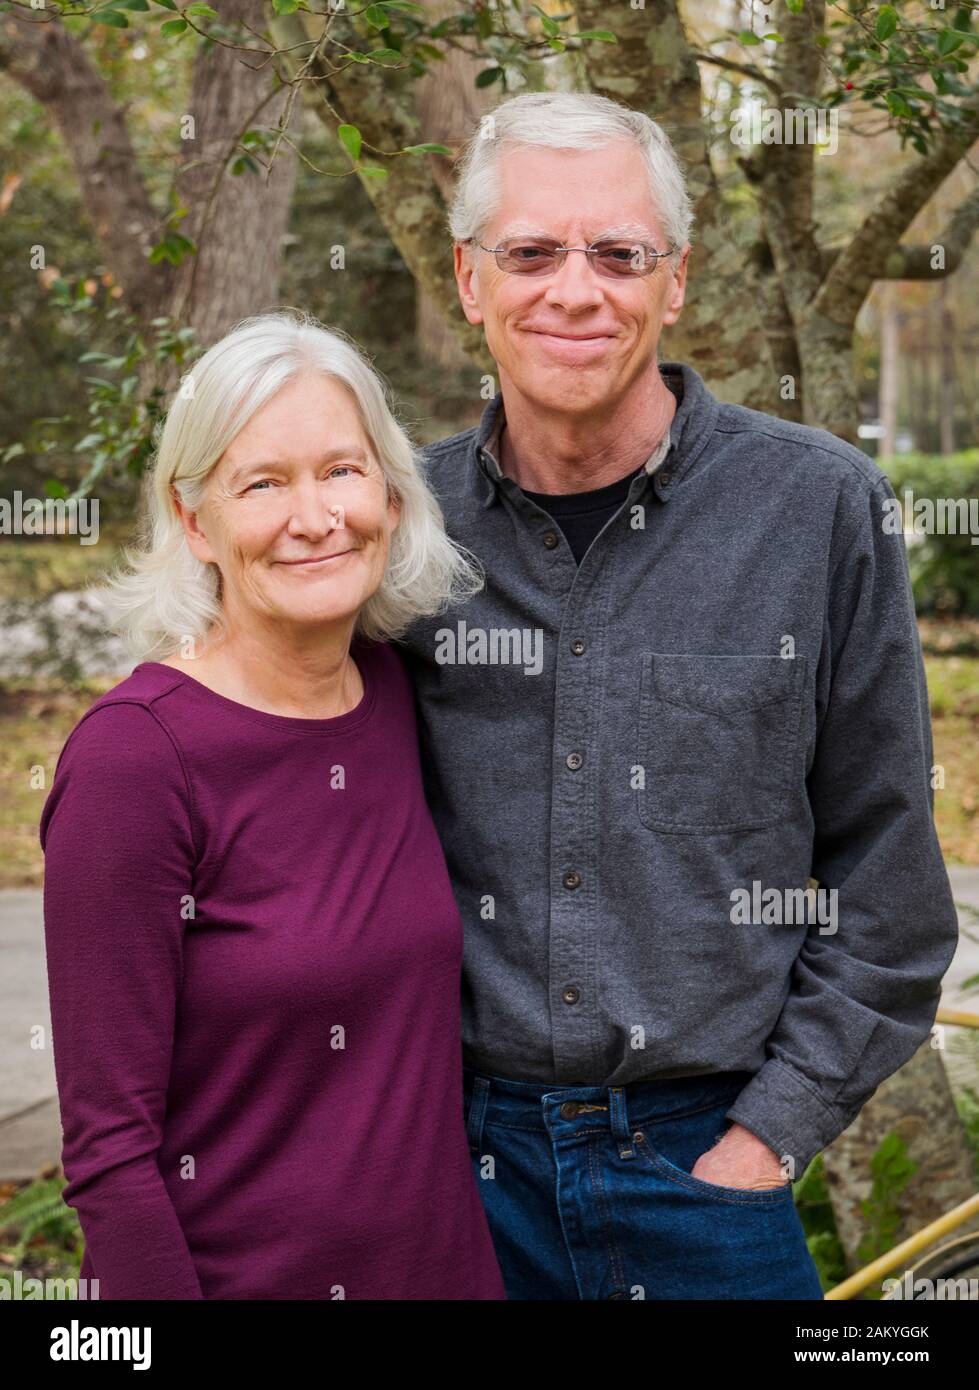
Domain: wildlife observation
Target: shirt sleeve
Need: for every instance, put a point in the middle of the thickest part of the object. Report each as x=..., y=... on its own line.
x=119, y=859
x=863, y=997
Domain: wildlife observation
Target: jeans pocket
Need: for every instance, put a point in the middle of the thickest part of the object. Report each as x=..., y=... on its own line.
x=671, y=1148
x=717, y=740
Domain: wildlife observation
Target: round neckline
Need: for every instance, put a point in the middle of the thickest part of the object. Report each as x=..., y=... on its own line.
x=339, y=723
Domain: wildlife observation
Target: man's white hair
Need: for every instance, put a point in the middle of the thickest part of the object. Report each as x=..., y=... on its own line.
x=167, y=595
x=565, y=121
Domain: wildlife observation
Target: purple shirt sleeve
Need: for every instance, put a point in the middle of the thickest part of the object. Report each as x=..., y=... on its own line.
x=119, y=866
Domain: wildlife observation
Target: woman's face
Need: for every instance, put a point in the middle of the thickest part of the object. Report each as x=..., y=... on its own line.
x=294, y=514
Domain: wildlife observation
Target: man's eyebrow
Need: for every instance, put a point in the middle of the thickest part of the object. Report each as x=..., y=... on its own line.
x=623, y=231
x=342, y=451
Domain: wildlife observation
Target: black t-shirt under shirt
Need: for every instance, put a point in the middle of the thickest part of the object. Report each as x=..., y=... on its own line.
x=581, y=515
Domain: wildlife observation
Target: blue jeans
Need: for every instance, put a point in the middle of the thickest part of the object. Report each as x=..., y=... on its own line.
x=588, y=1194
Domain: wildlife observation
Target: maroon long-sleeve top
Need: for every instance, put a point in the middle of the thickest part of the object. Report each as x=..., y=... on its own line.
x=253, y=958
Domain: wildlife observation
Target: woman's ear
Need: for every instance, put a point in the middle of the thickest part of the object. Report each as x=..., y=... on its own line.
x=194, y=533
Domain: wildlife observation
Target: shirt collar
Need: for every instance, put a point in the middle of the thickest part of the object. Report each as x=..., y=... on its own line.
x=692, y=424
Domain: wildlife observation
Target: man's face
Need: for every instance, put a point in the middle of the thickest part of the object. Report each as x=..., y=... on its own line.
x=573, y=339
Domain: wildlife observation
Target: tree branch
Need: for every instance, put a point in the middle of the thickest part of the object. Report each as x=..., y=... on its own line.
x=866, y=257
x=55, y=69
x=915, y=262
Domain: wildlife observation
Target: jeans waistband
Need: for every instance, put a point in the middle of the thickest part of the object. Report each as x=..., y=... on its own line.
x=552, y=1109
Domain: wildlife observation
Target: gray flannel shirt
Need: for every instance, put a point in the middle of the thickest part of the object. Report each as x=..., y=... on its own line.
x=725, y=701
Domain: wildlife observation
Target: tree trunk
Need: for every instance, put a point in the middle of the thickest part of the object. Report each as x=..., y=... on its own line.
x=239, y=221
x=888, y=375
x=449, y=106
x=915, y=1103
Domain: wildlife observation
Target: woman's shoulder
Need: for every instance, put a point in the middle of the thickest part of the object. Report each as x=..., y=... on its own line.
x=120, y=767
x=121, y=735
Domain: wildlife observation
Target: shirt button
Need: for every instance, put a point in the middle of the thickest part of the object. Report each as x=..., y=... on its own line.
x=573, y=879
x=571, y=994
x=666, y=479
x=577, y=646
x=550, y=539
x=574, y=761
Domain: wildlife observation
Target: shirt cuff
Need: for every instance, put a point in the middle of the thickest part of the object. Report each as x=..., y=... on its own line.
x=785, y=1111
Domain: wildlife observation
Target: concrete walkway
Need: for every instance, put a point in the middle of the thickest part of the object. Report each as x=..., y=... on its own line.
x=30, y=1125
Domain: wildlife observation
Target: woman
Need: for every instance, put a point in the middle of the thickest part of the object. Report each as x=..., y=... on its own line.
x=253, y=947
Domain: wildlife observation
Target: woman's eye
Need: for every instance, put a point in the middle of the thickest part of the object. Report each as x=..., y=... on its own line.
x=262, y=482
x=340, y=468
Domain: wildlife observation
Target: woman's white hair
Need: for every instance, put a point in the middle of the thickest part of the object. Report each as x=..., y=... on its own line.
x=565, y=121
x=168, y=596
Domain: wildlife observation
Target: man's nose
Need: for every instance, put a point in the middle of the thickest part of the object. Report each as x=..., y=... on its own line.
x=575, y=284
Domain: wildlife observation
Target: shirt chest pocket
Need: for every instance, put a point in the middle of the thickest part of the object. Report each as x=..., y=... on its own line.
x=717, y=740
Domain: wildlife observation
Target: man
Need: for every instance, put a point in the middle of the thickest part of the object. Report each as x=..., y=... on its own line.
x=691, y=685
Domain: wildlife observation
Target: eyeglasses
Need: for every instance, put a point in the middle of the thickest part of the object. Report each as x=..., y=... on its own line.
x=616, y=260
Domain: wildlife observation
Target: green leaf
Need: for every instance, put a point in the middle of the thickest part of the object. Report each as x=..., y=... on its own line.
x=128, y=5
x=285, y=6
x=385, y=55
x=407, y=5
x=167, y=4
x=886, y=22
x=351, y=140
x=602, y=35
x=747, y=37
x=201, y=9
x=427, y=149
x=948, y=41
x=550, y=27
x=773, y=37
x=173, y=248
x=487, y=76
x=113, y=18
x=557, y=44
x=897, y=105
x=428, y=50
x=173, y=26
x=376, y=17
x=795, y=6
x=372, y=171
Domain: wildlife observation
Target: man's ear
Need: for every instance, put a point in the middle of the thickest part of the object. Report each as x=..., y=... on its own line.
x=678, y=286
x=190, y=520
x=463, y=264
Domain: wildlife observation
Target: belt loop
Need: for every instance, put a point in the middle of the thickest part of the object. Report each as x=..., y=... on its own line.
x=619, y=1120
x=477, y=1112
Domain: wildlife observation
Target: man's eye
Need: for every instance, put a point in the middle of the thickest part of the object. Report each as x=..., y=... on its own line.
x=530, y=253
x=623, y=254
